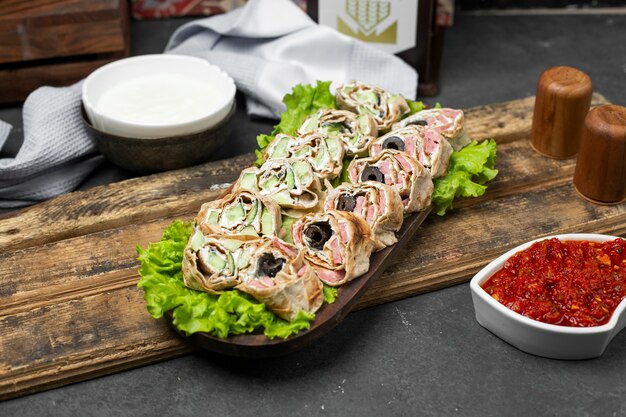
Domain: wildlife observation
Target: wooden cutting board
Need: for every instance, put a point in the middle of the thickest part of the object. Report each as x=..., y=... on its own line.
x=70, y=309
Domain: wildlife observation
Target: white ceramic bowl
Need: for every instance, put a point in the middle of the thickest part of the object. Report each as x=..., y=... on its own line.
x=532, y=336
x=187, y=69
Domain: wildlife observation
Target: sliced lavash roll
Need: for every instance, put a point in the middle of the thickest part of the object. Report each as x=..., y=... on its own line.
x=448, y=122
x=267, y=268
x=336, y=243
x=427, y=145
x=356, y=131
x=323, y=152
x=291, y=183
x=277, y=275
x=210, y=262
x=399, y=170
x=362, y=98
x=241, y=212
x=380, y=205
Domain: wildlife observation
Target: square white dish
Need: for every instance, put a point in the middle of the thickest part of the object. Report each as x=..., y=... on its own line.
x=532, y=336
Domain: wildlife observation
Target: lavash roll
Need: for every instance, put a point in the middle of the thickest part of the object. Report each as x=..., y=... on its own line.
x=241, y=212
x=448, y=122
x=380, y=205
x=336, y=243
x=356, y=131
x=426, y=145
x=362, y=98
x=323, y=152
x=399, y=170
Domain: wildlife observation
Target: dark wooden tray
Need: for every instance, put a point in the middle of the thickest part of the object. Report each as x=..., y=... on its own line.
x=326, y=318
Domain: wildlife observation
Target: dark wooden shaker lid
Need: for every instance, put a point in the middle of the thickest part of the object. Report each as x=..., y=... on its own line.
x=600, y=173
x=562, y=102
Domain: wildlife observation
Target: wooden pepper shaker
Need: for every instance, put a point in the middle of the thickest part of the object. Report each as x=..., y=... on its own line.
x=600, y=174
x=562, y=102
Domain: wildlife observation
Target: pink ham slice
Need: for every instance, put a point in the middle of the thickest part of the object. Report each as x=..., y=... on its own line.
x=330, y=277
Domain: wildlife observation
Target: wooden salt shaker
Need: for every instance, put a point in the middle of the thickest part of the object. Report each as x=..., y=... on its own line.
x=600, y=174
x=562, y=102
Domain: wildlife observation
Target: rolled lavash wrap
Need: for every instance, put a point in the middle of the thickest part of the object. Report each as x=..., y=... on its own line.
x=429, y=147
x=270, y=270
x=356, y=131
x=323, y=152
x=336, y=243
x=379, y=204
x=448, y=122
x=399, y=170
x=241, y=212
x=362, y=98
x=209, y=262
x=277, y=275
x=291, y=183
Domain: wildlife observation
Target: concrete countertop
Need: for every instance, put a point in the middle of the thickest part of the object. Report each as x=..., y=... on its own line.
x=424, y=355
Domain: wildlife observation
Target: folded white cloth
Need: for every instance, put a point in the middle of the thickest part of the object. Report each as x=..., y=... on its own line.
x=267, y=46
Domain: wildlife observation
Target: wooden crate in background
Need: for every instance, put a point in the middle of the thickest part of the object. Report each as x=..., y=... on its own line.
x=57, y=42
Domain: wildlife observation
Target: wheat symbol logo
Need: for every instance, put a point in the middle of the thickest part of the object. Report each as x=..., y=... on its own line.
x=368, y=14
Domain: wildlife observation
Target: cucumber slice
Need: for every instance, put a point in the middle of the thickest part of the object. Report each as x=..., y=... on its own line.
x=215, y=261
x=233, y=216
x=231, y=263
x=212, y=217
x=311, y=124
x=282, y=197
x=231, y=244
x=244, y=258
x=248, y=181
x=249, y=230
x=267, y=223
x=253, y=212
x=197, y=240
x=362, y=123
x=270, y=183
x=366, y=97
x=303, y=171
x=279, y=150
x=333, y=145
x=290, y=180
x=321, y=158
x=333, y=128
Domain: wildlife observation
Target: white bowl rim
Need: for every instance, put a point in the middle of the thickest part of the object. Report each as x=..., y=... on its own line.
x=497, y=263
x=148, y=57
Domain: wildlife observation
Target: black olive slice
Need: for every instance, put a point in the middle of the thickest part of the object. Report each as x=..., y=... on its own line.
x=420, y=123
x=394, y=142
x=372, y=173
x=269, y=266
x=346, y=202
x=317, y=234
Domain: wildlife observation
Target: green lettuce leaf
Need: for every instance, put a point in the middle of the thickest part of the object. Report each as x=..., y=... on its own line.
x=330, y=294
x=415, y=106
x=301, y=102
x=229, y=313
x=469, y=169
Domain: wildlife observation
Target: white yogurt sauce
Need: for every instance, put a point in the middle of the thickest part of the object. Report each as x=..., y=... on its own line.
x=162, y=99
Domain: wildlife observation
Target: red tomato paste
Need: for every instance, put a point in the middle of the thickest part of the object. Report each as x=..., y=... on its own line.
x=569, y=283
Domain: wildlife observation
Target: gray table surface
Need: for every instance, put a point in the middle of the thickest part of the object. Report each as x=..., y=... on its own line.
x=424, y=355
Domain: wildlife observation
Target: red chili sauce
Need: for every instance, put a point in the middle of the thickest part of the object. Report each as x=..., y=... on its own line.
x=568, y=283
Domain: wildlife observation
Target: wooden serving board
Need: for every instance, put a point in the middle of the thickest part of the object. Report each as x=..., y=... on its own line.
x=70, y=309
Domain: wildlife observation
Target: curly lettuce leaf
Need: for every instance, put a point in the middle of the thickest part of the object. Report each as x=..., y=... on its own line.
x=330, y=294
x=415, y=106
x=229, y=313
x=469, y=169
x=303, y=101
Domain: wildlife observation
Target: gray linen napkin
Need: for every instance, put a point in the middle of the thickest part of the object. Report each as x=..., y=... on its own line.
x=267, y=46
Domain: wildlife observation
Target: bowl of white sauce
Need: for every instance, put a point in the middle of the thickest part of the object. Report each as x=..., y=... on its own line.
x=152, y=113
